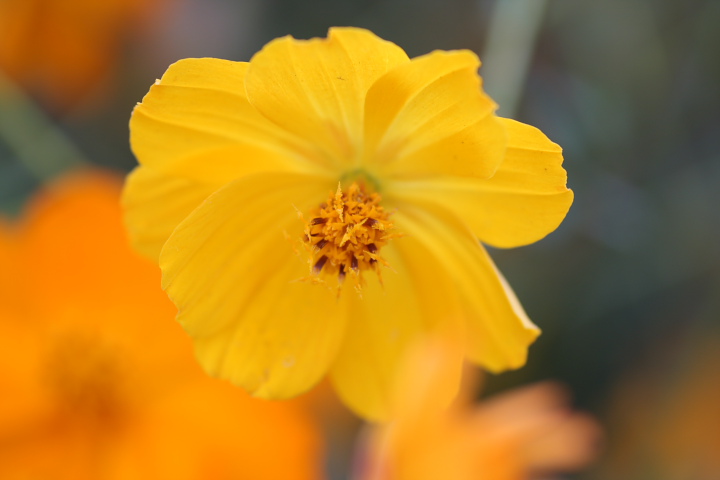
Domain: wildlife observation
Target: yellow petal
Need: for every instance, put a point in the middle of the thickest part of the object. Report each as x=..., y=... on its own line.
x=316, y=88
x=199, y=105
x=523, y=202
x=157, y=199
x=234, y=277
x=386, y=322
x=155, y=203
x=430, y=116
x=498, y=331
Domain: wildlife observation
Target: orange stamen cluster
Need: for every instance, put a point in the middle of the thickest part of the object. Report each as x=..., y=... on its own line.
x=345, y=234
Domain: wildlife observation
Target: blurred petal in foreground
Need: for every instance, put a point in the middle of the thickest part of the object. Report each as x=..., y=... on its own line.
x=665, y=417
x=518, y=435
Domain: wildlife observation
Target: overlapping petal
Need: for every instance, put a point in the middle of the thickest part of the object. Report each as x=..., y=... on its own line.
x=316, y=88
x=498, y=331
x=193, y=133
x=430, y=116
x=525, y=199
x=200, y=104
x=155, y=203
x=385, y=321
x=157, y=199
x=232, y=273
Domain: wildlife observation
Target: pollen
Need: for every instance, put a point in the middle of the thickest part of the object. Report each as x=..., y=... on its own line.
x=345, y=234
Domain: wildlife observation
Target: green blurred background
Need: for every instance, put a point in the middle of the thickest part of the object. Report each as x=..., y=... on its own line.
x=626, y=288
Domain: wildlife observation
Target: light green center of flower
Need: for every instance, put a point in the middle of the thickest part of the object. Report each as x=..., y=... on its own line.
x=361, y=177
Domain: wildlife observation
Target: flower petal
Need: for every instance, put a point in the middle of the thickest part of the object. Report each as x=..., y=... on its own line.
x=523, y=202
x=199, y=105
x=498, y=331
x=224, y=434
x=72, y=247
x=316, y=88
x=10, y=292
x=155, y=203
x=386, y=322
x=157, y=199
x=233, y=275
x=428, y=380
x=430, y=116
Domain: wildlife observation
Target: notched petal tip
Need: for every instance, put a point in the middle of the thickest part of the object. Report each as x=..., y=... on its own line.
x=459, y=59
x=431, y=117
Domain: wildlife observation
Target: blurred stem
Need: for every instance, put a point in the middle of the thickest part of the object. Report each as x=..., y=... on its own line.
x=33, y=136
x=514, y=26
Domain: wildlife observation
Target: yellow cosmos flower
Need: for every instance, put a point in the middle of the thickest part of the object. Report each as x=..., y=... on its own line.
x=315, y=209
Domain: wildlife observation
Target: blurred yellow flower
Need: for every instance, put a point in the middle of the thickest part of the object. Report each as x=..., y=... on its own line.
x=394, y=166
x=99, y=382
x=522, y=434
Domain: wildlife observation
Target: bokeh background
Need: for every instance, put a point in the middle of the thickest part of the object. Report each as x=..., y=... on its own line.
x=627, y=290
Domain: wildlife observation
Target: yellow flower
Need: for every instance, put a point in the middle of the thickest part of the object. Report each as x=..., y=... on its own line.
x=316, y=209
x=98, y=381
x=518, y=435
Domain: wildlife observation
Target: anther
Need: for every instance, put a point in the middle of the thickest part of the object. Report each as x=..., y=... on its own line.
x=341, y=274
x=346, y=233
x=317, y=268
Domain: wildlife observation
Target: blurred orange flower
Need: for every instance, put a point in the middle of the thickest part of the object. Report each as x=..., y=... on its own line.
x=665, y=418
x=102, y=381
x=517, y=435
x=61, y=50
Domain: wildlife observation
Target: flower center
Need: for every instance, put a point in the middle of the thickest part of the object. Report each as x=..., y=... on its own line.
x=345, y=234
x=84, y=378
